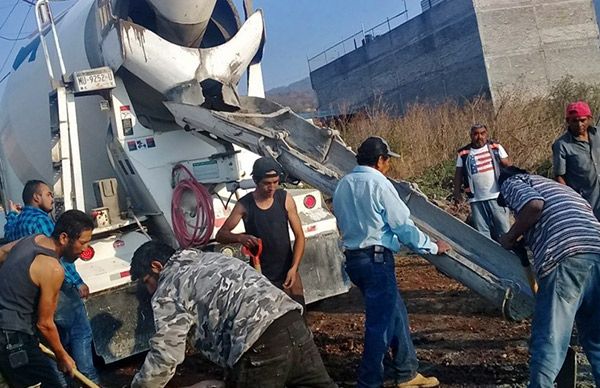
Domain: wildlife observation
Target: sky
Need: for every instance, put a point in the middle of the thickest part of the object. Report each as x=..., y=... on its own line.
x=296, y=30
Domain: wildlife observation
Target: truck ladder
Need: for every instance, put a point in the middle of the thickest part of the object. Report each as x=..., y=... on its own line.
x=65, y=150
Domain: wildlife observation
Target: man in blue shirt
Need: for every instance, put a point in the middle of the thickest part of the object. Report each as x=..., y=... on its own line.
x=71, y=317
x=375, y=224
x=564, y=236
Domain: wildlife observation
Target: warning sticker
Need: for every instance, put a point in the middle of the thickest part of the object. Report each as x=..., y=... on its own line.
x=141, y=144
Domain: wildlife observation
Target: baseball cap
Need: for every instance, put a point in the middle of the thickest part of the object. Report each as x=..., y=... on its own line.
x=262, y=168
x=375, y=146
x=578, y=109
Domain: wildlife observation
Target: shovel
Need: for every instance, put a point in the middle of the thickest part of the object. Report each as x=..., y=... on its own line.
x=254, y=256
x=77, y=374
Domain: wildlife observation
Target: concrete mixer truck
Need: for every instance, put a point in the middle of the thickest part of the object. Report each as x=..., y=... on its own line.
x=84, y=111
x=130, y=110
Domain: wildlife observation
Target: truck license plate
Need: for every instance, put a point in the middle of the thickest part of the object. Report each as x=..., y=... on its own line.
x=94, y=79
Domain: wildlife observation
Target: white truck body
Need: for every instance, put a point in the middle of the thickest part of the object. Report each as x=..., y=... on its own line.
x=127, y=134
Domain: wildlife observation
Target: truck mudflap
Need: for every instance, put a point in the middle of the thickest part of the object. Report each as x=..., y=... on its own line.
x=319, y=157
x=122, y=321
x=322, y=268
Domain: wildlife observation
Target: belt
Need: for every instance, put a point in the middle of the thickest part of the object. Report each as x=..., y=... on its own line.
x=11, y=337
x=377, y=253
x=369, y=250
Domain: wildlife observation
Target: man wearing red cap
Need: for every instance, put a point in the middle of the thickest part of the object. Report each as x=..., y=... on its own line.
x=576, y=154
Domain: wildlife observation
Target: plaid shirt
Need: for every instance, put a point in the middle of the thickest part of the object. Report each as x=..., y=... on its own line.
x=30, y=221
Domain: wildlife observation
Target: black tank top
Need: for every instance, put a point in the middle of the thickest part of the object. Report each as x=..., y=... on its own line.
x=19, y=296
x=271, y=226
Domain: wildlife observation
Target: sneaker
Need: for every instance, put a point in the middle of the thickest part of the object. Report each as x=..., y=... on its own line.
x=419, y=381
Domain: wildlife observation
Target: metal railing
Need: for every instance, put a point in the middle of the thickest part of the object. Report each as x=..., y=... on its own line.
x=356, y=40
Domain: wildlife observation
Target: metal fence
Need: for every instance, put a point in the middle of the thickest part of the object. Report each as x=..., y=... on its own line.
x=426, y=4
x=356, y=40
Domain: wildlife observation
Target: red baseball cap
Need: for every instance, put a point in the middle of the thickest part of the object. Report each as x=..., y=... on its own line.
x=578, y=109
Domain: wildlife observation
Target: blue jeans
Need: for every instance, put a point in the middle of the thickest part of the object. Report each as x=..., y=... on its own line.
x=489, y=218
x=75, y=330
x=567, y=295
x=386, y=325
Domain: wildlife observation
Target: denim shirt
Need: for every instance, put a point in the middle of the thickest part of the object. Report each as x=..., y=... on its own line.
x=33, y=220
x=370, y=212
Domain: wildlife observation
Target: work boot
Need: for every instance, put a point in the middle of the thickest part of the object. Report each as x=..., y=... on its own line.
x=419, y=381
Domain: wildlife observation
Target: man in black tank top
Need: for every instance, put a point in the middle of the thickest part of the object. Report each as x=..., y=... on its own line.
x=30, y=279
x=267, y=212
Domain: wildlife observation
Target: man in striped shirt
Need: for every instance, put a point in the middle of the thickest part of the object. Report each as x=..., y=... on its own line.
x=564, y=236
x=71, y=317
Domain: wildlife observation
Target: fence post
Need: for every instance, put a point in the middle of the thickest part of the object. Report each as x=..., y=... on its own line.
x=363, y=33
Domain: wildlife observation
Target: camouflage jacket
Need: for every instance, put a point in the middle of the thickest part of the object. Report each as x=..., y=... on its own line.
x=228, y=302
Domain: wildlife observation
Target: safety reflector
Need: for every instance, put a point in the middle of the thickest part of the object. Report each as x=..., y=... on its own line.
x=310, y=201
x=118, y=276
x=88, y=254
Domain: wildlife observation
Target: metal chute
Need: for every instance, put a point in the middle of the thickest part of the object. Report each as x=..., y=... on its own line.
x=319, y=157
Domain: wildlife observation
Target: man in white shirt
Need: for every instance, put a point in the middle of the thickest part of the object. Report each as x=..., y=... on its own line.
x=477, y=171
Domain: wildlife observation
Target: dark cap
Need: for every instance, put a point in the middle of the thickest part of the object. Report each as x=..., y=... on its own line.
x=375, y=146
x=263, y=166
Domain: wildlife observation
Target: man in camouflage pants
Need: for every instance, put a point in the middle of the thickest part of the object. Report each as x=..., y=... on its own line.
x=242, y=322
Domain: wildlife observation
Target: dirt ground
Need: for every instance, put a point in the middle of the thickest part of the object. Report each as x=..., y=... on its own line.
x=459, y=337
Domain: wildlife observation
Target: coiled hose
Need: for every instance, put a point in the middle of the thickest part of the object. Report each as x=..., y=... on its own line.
x=197, y=232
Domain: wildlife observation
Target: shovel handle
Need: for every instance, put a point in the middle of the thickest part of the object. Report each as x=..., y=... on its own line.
x=78, y=375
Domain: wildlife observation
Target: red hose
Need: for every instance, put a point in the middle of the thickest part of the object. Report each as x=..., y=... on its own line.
x=198, y=232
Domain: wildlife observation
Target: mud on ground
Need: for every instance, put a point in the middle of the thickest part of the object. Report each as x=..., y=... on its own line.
x=459, y=337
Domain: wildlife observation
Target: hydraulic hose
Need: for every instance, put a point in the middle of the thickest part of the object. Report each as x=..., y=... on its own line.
x=192, y=225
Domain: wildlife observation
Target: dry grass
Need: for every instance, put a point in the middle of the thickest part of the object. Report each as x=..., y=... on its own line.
x=427, y=136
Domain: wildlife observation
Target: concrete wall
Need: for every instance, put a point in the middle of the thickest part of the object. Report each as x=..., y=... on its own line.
x=461, y=48
x=597, y=8
x=530, y=44
x=436, y=55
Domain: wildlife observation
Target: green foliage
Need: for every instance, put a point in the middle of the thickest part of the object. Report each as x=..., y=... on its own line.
x=436, y=181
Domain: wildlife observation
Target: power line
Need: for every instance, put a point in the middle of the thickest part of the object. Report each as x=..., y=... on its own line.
x=15, y=42
x=8, y=38
x=26, y=36
x=9, y=13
